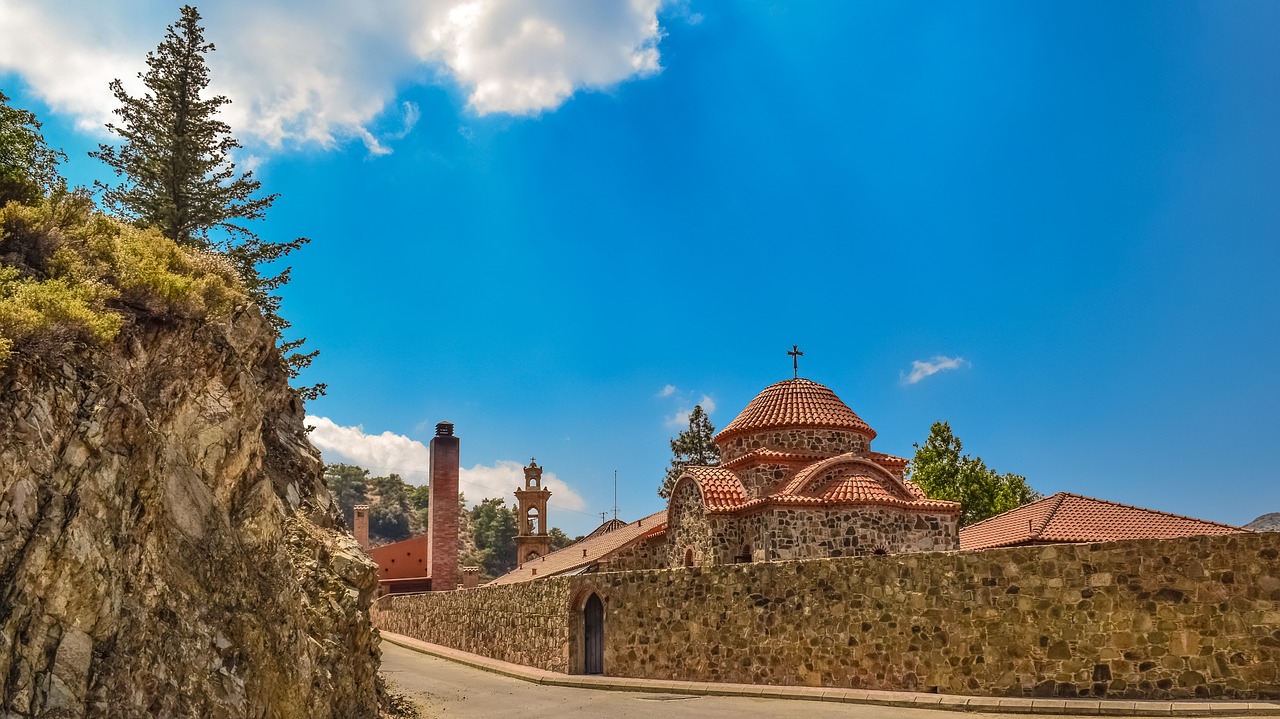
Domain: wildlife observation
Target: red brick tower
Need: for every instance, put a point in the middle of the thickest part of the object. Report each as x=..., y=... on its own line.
x=362, y=525
x=533, y=540
x=442, y=545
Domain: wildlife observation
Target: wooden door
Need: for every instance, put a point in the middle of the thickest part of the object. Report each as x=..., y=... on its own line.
x=593, y=617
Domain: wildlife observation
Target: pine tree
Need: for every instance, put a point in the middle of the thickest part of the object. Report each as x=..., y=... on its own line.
x=177, y=174
x=693, y=446
x=28, y=168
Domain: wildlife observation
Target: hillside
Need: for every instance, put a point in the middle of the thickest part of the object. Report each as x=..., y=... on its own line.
x=167, y=544
x=1265, y=523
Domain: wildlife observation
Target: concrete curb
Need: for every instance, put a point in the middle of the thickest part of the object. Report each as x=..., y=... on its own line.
x=952, y=702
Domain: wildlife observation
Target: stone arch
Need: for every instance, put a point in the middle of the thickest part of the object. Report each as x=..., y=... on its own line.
x=688, y=556
x=532, y=555
x=531, y=521
x=588, y=614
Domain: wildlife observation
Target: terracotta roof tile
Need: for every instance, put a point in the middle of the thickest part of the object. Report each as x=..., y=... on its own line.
x=721, y=488
x=605, y=528
x=798, y=403
x=765, y=455
x=1066, y=517
x=587, y=551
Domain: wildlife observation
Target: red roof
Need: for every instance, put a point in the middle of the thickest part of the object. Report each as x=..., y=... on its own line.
x=1066, y=517
x=795, y=403
x=855, y=479
x=721, y=488
x=588, y=551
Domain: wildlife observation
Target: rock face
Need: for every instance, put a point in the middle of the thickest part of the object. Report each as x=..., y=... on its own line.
x=1265, y=523
x=167, y=546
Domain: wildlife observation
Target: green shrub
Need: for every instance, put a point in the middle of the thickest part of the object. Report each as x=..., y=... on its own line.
x=74, y=266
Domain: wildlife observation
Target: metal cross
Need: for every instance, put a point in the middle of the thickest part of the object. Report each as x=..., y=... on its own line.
x=795, y=354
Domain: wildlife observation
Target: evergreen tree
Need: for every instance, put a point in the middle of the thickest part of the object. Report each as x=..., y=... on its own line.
x=693, y=446
x=494, y=527
x=177, y=174
x=942, y=472
x=28, y=168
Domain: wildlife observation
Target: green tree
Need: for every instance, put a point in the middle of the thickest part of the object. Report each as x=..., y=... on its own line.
x=693, y=446
x=493, y=525
x=941, y=470
x=349, y=486
x=559, y=540
x=389, y=514
x=177, y=175
x=28, y=168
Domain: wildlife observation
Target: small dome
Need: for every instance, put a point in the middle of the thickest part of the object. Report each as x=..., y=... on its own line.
x=795, y=404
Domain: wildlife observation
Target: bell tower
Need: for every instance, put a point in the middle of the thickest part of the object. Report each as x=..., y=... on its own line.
x=532, y=541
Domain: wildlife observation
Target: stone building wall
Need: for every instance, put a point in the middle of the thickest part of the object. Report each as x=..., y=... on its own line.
x=766, y=478
x=648, y=554
x=688, y=526
x=827, y=442
x=855, y=531
x=1141, y=619
x=525, y=623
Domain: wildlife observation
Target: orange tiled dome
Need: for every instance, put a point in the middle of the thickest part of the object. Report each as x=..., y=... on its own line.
x=795, y=403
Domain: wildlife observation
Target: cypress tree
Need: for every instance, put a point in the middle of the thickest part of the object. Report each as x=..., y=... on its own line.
x=693, y=446
x=177, y=175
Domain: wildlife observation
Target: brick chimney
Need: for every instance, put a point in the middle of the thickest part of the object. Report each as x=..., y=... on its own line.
x=470, y=577
x=361, y=527
x=442, y=528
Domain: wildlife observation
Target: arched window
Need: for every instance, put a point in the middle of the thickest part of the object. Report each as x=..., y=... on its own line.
x=688, y=557
x=745, y=555
x=532, y=555
x=531, y=521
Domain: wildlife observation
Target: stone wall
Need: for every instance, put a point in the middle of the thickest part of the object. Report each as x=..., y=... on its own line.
x=827, y=442
x=689, y=529
x=856, y=531
x=525, y=623
x=1143, y=619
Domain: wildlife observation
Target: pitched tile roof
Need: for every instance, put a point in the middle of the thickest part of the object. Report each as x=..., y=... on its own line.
x=795, y=403
x=587, y=551
x=1066, y=517
x=764, y=455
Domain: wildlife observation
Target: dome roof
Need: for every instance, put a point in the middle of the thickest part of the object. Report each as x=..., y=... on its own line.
x=795, y=404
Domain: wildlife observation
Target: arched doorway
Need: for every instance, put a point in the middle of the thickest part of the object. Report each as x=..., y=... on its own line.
x=593, y=635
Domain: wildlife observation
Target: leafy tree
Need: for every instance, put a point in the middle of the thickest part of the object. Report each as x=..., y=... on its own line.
x=942, y=472
x=559, y=540
x=348, y=484
x=177, y=175
x=692, y=446
x=28, y=168
x=389, y=516
x=493, y=525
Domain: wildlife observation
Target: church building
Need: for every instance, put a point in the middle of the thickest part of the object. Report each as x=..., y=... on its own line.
x=798, y=479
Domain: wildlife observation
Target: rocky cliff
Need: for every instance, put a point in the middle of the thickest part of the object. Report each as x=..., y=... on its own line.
x=167, y=546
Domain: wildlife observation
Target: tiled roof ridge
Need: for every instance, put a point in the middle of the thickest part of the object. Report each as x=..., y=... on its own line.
x=1049, y=515
x=798, y=481
x=1144, y=509
x=915, y=505
x=765, y=452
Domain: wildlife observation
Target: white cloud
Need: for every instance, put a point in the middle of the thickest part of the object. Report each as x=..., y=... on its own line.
x=680, y=419
x=922, y=369
x=325, y=71
x=389, y=452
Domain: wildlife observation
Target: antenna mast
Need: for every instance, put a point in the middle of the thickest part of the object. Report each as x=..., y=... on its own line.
x=615, y=494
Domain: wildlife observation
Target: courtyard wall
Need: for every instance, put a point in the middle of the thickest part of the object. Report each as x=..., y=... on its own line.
x=1142, y=619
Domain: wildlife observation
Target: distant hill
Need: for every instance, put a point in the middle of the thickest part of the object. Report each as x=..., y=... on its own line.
x=1265, y=523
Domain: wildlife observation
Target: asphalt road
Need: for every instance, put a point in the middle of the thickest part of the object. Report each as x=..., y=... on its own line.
x=445, y=689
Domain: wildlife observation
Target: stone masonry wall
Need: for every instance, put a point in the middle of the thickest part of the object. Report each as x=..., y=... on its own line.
x=857, y=531
x=525, y=623
x=827, y=442
x=1143, y=619
x=688, y=526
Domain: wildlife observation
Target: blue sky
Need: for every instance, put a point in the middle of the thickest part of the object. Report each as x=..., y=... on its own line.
x=533, y=237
